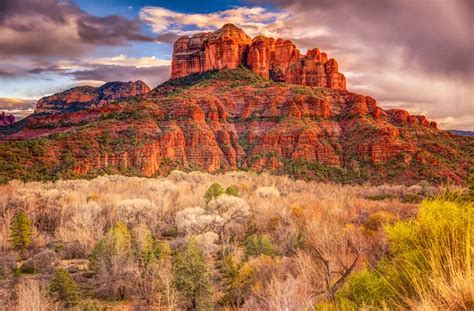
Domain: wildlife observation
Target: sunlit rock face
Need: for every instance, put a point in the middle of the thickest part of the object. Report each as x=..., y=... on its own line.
x=279, y=60
x=85, y=96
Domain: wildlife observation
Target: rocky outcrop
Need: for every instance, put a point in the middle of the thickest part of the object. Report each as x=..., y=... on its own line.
x=6, y=119
x=86, y=96
x=279, y=60
x=402, y=117
x=224, y=49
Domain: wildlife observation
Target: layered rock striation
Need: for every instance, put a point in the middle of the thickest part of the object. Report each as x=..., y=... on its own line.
x=86, y=96
x=279, y=60
x=230, y=114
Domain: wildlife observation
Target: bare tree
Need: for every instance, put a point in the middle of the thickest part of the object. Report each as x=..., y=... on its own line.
x=336, y=249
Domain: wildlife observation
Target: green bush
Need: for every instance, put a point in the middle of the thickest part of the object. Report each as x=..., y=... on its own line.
x=430, y=264
x=214, y=191
x=259, y=245
x=64, y=288
x=233, y=191
x=20, y=231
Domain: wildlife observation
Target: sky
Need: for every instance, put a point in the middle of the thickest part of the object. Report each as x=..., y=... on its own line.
x=411, y=54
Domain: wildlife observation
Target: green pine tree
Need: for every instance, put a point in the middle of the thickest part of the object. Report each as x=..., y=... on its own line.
x=64, y=288
x=20, y=231
x=193, y=278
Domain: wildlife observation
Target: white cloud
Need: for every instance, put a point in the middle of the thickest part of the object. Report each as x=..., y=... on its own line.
x=255, y=20
x=123, y=60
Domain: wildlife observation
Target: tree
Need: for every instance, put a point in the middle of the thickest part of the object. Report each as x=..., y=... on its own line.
x=214, y=191
x=335, y=248
x=117, y=241
x=20, y=231
x=64, y=288
x=193, y=277
x=113, y=260
x=237, y=281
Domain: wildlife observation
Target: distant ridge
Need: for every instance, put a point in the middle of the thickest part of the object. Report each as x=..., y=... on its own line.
x=462, y=133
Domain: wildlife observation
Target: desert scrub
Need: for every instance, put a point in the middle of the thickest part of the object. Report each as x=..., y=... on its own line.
x=430, y=265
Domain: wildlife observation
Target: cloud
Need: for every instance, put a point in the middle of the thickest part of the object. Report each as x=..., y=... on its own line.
x=255, y=20
x=124, y=60
x=20, y=108
x=150, y=75
x=60, y=28
x=151, y=70
x=434, y=35
x=16, y=103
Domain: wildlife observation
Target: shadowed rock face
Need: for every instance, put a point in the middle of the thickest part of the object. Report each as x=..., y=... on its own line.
x=6, y=119
x=86, y=96
x=279, y=60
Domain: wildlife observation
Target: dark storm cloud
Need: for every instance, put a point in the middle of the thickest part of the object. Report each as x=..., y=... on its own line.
x=54, y=27
x=38, y=70
x=112, y=30
x=435, y=35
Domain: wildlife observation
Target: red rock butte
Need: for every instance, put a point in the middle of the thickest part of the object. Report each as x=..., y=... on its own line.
x=276, y=59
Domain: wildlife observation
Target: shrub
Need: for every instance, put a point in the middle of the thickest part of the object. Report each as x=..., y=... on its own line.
x=259, y=245
x=136, y=211
x=378, y=219
x=193, y=278
x=196, y=220
x=213, y=191
x=45, y=261
x=20, y=231
x=268, y=192
x=33, y=295
x=431, y=263
x=64, y=288
x=233, y=191
x=7, y=264
x=207, y=242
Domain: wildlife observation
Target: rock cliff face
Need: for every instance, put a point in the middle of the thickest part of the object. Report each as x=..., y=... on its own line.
x=234, y=119
x=224, y=49
x=6, y=119
x=279, y=60
x=240, y=117
x=86, y=96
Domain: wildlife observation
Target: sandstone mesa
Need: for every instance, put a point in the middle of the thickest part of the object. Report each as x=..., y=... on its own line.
x=233, y=102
